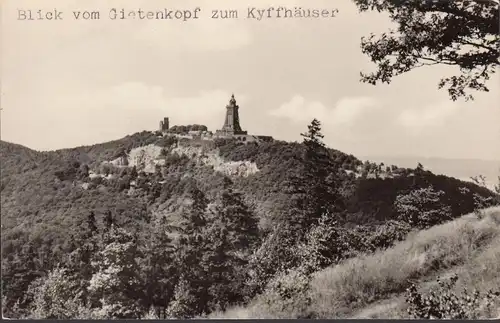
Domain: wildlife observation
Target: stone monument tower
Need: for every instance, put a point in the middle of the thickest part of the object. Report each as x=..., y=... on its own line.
x=232, y=121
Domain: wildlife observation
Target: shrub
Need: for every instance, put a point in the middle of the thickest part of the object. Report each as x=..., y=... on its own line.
x=184, y=129
x=446, y=304
x=167, y=141
x=287, y=295
x=54, y=296
x=385, y=235
x=482, y=202
x=422, y=208
x=184, y=304
x=96, y=180
x=328, y=243
x=120, y=152
x=69, y=172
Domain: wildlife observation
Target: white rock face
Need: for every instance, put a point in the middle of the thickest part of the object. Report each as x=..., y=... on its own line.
x=241, y=168
x=147, y=157
x=212, y=158
x=144, y=158
x=119, y=162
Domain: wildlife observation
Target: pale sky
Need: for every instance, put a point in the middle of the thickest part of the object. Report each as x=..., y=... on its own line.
x=67, y=83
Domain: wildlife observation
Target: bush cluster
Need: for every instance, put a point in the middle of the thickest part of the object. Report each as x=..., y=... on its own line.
x=445, y=303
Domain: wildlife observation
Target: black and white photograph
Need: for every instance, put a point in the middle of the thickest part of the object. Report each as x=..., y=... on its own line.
x=219, y=159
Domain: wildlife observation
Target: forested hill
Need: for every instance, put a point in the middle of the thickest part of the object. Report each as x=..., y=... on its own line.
x=145, y=179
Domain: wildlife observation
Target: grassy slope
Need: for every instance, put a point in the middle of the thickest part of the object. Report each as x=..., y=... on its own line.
x=373, y=286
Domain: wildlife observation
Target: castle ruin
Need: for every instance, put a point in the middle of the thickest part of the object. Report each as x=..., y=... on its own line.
x=164, y=126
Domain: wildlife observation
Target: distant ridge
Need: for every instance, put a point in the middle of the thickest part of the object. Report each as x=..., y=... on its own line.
x=462, y=169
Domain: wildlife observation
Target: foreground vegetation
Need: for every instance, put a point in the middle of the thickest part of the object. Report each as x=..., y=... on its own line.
x=377, y=285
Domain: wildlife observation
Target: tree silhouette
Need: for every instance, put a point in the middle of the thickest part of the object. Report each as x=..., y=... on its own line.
x=460, y=33
x=312, y=138
x=91, y=222
x=108, y=220
x=318, y=174
x=233, y=231
x=118, y=294
x=158, y=268
x=311, y=194
x=191, y=292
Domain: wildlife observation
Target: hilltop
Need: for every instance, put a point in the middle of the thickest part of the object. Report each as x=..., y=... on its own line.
x=147, y=178
x=258, y=169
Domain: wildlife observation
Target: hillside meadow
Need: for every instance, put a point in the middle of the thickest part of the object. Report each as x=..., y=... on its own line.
x=374, y=285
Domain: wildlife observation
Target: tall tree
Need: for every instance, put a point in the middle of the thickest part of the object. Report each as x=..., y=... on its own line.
x=460, y=33
x=108, y=220
x=91, y=224
x=17, y=274
x=184, y=300
x=315, y=185
x=236, y=217
x=79, y=266
x=191, y=292
x=232, y=233
x=55, y=296
x=318, y=171
x=158, y=267
x=116, y=281
x=312, y=194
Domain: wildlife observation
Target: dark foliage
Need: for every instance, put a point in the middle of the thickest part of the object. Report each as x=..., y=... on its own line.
x=373, y=198
x=461, y=33
x=445, y=303
x=186, y=129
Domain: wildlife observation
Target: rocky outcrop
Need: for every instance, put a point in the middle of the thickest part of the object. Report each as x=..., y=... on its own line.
x=143, y=158
x=212, y=158
x=146, y=159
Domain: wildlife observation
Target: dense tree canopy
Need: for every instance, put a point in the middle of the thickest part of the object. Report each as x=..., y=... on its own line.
x=460, y=33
